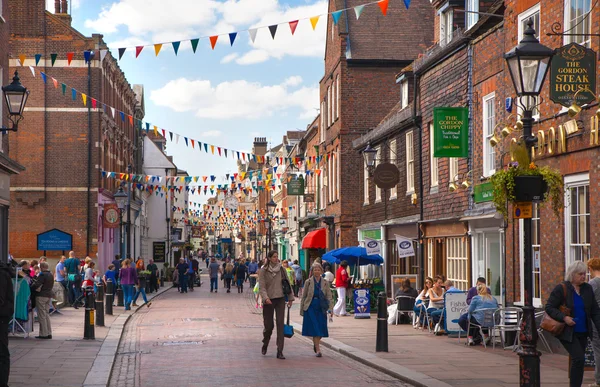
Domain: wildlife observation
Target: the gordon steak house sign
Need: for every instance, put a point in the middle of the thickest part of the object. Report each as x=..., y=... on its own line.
x=573, y=69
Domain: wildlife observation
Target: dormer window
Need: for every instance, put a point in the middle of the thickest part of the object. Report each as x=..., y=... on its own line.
x=471, y=14
x=446, y=26
x=404, y=93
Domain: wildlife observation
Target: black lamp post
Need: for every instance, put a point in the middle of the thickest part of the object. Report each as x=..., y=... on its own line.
x=369, y=154
x=528, y=64
x=15, y=95
x=121, y=199
x=271, y=205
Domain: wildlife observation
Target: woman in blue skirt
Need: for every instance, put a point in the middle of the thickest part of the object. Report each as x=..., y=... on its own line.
x=317, y=301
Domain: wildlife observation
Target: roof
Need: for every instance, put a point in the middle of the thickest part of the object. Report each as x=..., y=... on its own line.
x=295, y=134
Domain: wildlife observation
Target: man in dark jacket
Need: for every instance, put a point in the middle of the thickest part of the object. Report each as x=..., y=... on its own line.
x=42, y=286
x=7, y=306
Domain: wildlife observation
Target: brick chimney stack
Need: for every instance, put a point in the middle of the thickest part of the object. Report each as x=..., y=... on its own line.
x=56, y=6
x=64, y=7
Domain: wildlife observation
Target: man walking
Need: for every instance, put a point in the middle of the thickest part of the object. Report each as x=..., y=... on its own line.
x=153, y=269
x=253, y=272
x=7, y=305
x=297, y=277
x=73, y=277
x=61, y=273
x=182, y=269
x=214, y=269
x=44, y=282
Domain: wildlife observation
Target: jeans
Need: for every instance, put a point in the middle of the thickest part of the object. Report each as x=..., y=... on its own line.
x=183, y=282
x=74, y=291
x=463, y=322
x=140, y=290
x=4, y=353
x=127, y=295
x=240, y=284
x=228, y=283
x=252, y=282
x=436, y=315
x=191, y=278
x=576, y=350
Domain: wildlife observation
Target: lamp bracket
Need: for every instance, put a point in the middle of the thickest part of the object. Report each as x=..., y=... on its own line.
x=557, y=31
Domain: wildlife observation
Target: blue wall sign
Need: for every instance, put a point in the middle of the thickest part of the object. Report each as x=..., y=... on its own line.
x=54, y=240
x=362, y=303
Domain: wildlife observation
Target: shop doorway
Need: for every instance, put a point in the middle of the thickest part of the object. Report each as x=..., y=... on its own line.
x=489, y=261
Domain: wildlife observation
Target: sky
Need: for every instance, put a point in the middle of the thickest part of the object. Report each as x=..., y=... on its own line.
x=226, y=96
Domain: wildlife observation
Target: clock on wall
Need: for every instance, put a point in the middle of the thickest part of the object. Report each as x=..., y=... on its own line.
x=231, y=203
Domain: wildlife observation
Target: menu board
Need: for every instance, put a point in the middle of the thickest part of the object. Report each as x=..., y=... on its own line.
x=158, y=251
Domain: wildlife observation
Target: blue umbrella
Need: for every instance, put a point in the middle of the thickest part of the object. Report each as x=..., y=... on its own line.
x=353, y=255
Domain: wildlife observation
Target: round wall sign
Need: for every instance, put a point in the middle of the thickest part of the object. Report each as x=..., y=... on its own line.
x=386, y=176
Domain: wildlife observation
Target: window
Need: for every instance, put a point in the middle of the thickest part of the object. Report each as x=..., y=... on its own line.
x=339, y=101
x=457, y=262
x=323, y=121
x=577, y=218
x=532, y=13
x=333, y=101
x=446, y=19
x=329, y=115
x=330, y=180
x=430, y=257
x=410, y=164
x=453, y=168
x=323, y=191
x=489, y=122
x=392, y=159
x=377, y=162
x=404, y=93
x=337, y=175
x=433, y=160
x=578, y=21
x=366, y=184
x=472, y=16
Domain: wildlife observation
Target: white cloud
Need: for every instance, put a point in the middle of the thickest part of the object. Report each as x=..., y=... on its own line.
x=294, y=80
x=229, y=58
x=235, y=99
x=212, y=133
x=253, y=57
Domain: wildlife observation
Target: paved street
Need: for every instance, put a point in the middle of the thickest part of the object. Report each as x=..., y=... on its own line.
x=208, y=339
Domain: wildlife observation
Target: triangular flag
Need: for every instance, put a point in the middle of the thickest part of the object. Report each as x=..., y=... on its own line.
x=157, y=48
x=53, y=58
x=122, y=116
x=176, y=47
x=212, y=149
x=293, y=25
x=103, y=54
x=87, y=55
x=232, y=37
x=407, y=3
x=112, y=109
x=84, y=99
x=336, y=16
x=37, y=58
x=32, y=70
x=138, y=49
x=213, y=41
x=273, y=30
x=22, y=59
x=43, y=76
x=64, y=88
x=358, y=10
x=194, y=44
x=121, y=52
x=73, y=94
x=252, y=33
x=69, y=57
x=93, y=103
x=55, y=83
x=383, y=4
x=313, y=21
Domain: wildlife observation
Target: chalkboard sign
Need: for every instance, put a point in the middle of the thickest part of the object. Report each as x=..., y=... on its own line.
x=158, y=251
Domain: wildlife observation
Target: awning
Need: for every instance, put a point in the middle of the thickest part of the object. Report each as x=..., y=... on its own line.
x=315, y=239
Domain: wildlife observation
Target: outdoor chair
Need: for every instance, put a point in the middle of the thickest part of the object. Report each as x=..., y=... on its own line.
x=508, y=320
x=423, y=318
x=488, y=323
x=539, y=315
x=405, y=305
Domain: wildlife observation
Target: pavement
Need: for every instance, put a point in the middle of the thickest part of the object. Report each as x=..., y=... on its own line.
x=68, y=359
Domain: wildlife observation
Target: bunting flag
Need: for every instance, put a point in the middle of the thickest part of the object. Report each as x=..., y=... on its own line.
x=273, y=30
x=336, y=17
x=313, y=21
x=43, y=76
x=87, y=56
x=213, y=41
x=407, y=3
x=252, y=33
x=359, y=9
x=121, y=52
x=84, y=99
x=138, y=49
x=70, y=57
x=194, y=43
x=383, y=5
x=103, y=55
x=176, y=47
x=37, y=58
x=293, y=25
x=53, y=58
x=22, y=59
x=232, y=37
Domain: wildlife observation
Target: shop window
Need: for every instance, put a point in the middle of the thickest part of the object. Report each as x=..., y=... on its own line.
x=457, y=262
x=489, y=122
x=578, y=21
x=577, y=218
x=392, y=159
x=406, y=265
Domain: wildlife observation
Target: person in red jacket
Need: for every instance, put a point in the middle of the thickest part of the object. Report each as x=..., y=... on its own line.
x=342, y=281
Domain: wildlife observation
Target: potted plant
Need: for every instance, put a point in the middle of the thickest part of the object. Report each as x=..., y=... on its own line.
x=143, y=276
x=523, y=181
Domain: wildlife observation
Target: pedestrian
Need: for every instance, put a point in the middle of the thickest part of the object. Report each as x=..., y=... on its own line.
x=316, y=303
x=253, y=272
x=228, y=276
x=88, y=281
x=7, y=307
x=240, y=274
x=594, y=266
x=110, y=274
x=196, y=269
x=176, y=280
x=297, y=277
x=582, y=312
x=290, y=273
x=43, y=285
x=73, y=277
x=207, y=262
x=214, y=269
x=153, y=269
x=182, y=268
x=329, y=275
x=141, y=289
x=34, y=269
x=270, y=280
x=191, y=273
x=61, y=273
x=129, y=278
x=139, y=265
x=342, y=281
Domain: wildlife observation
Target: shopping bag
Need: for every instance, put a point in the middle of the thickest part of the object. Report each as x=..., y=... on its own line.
x=288, y=330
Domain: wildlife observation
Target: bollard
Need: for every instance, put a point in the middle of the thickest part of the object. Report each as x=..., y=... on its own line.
x=382, y=327
x=110, y=297
x=100, y=306
x=120, y=301
x=88, y=323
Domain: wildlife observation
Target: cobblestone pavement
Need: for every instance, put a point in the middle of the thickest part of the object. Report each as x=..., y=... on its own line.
x=214, y=339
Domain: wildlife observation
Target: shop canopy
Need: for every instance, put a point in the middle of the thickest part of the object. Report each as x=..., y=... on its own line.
x=316, y=239
x=353, y=255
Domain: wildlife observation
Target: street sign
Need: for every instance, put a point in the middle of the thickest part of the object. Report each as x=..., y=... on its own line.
x=573, y=69
x=523, y=210
x=54, y=240
x=386, y=176
x=295, y=187
x=451, y=132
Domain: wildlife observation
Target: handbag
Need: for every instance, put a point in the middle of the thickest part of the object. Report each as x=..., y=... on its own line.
x=552, y=326
x=324, y=302
x=287, y=288
x=288, y=330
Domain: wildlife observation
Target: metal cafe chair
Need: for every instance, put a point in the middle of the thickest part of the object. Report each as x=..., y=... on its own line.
x=508, y=320
x=488, y=323
x=405, y=305
x=423, y=318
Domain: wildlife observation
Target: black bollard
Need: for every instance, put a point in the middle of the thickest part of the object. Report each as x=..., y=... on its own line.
x=110, y=297
x=382, y=327
x=88, y=323
x=120, y=301
x=100, y=306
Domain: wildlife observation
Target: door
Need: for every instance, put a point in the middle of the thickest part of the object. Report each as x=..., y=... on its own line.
x=493, y=263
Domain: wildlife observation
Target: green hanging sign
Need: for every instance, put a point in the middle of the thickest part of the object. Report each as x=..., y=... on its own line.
x=484, y=192
x=450, y=132
x=295, y=187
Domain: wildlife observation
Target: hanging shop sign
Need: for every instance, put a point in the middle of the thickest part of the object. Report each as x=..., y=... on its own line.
x=451, y=132
x=573, y=69
x=386, y=176
x=295, y=187
x=372, y=234
x=308, y=198
x=111, y=215
x=484, y=192
x=372, y=246
x=197, y=232
x=405, y=247
x=54, y=240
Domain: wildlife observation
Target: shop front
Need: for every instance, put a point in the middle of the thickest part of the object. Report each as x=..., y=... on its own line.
x=396, y=263
x=448, y=252
x=314, y=244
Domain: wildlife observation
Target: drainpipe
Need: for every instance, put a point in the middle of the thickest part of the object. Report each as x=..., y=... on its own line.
x=417, y=123
x=89, y=161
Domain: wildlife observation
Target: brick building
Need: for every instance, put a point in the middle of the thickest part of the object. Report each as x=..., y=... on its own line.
x=64, y=144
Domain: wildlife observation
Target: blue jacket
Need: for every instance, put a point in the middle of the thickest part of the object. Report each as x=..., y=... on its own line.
x=478, y=303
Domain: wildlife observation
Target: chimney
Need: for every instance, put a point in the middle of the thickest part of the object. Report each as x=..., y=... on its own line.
x=260, y=146
x=64, y=7
x=56, y=6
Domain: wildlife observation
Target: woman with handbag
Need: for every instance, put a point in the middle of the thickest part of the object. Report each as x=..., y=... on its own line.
x=570, y=312
x=275, y=290
x=316, y=302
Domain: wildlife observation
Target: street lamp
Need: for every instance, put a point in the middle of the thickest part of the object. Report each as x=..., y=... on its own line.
x=271, y=205
x=121, y=199
x=528, y=64
x=15, y=96
x=369, y=154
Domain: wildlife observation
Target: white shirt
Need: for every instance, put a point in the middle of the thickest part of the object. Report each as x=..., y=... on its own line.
x=329, y=277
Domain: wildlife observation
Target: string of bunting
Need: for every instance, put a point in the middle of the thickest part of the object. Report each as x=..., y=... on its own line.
x=252, y=32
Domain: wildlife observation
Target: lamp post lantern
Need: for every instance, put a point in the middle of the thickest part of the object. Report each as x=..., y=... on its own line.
x=528, y=65
x=121, y=200
x=369, y=154
x=15, y=95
